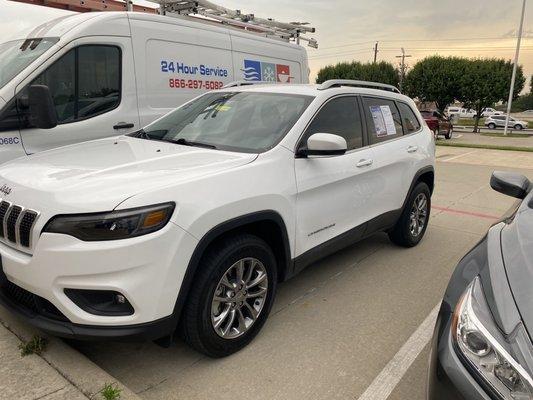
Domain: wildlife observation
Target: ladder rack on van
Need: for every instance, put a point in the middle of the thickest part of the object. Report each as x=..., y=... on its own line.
x=200, y=10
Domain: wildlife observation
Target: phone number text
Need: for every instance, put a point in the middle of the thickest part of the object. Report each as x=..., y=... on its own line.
x=194, y=84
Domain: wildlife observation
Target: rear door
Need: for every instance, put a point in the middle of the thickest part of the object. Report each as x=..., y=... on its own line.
x=394, y=152
x=93, y=88
x=336, y=193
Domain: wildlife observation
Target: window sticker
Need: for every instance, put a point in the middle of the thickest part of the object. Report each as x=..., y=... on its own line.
x=379, y=122
x=383, y=121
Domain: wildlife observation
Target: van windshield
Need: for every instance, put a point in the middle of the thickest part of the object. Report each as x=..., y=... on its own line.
x=18, y=54
x=234, y=121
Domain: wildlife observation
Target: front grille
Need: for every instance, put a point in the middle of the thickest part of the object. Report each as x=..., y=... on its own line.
x=29, y=301
x=16, y=223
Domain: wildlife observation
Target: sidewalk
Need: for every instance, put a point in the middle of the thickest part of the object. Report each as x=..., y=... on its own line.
x=30, y=377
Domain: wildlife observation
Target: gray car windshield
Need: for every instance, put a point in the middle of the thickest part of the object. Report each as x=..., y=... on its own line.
x=18, y=54
x=237, y=121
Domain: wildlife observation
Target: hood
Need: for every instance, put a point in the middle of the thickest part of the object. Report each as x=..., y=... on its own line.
x=517, y=251
x=98, y=175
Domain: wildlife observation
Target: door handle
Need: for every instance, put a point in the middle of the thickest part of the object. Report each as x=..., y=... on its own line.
x=123, y=125
x=412, y=149
x=364, y=163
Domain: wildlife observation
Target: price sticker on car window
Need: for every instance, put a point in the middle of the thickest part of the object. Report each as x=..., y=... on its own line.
x=383, y=121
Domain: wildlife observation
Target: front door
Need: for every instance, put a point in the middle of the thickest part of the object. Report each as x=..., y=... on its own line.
x=93, y=89
x=335, y=193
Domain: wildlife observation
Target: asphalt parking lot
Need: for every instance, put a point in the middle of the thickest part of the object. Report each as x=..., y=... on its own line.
x=355, y=325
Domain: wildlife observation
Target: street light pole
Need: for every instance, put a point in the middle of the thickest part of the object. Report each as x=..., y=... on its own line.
x=515, y=65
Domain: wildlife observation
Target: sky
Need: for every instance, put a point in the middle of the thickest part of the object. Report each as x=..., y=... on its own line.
x=347, y=30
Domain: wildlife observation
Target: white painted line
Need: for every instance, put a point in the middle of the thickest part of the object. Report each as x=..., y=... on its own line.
x=392, y=374
x=459, y=156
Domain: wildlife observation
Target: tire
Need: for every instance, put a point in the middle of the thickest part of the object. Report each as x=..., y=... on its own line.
x=402, y=234
x=518, y=127
x=202, y=311
x=492, y=125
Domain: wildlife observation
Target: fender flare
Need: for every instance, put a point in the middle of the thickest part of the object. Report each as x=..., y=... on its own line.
x=217, y=231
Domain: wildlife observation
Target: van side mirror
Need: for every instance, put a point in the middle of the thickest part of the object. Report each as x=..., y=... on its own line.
x=510, y=183
x=42, y=109
x=324, y=144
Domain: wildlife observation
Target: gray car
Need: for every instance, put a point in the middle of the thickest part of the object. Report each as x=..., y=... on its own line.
x=482, y=346
x=495, y=121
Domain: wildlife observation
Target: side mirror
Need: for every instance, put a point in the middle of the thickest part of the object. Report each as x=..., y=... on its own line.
x=42, y=109
x=325, y=144
x=510, y=183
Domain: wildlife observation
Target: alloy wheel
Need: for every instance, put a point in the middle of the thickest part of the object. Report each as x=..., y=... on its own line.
x=418, y=216
x=239, y=298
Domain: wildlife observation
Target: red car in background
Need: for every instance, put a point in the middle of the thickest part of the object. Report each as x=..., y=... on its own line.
x=438, y=123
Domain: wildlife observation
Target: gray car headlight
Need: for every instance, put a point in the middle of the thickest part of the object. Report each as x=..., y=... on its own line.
x=112, y=225
x=498, y=360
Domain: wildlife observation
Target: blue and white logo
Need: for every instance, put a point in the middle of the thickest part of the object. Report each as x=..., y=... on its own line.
x=252, y=70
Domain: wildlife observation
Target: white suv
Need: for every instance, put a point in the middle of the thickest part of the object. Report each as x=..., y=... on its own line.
x=499, y=121
x=191, y=222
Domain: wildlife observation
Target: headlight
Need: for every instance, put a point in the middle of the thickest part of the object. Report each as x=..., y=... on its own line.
x=112, y=225
x=492, y=356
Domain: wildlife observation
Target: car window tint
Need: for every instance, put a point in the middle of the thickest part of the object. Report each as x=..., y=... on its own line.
x=98, y=80
x=409, y=120
x=341, y=117
x=382, y=118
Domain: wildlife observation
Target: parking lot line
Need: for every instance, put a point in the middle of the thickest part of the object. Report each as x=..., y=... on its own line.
x=397, y=367
x=458, y=156
x=470, y=213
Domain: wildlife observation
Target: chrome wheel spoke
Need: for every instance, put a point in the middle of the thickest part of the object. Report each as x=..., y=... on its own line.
x=219, y=320
x=259, y=279
x=251, y=310
x=260, y=293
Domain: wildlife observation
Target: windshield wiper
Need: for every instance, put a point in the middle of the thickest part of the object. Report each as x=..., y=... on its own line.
x=186, y=142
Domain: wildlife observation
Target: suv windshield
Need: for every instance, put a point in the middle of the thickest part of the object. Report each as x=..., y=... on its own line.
x=237, y=121
x=18, y=54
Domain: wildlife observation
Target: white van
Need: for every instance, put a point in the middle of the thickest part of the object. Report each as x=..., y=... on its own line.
x=100, y=74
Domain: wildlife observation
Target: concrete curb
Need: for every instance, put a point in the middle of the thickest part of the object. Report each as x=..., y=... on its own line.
x=77, y=369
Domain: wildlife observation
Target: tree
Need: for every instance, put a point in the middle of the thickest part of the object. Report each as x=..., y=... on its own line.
x=382, y=72
x=487, y=81
x=435, y=79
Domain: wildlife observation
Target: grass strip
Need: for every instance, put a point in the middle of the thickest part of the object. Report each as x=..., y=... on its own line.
x=486, y=146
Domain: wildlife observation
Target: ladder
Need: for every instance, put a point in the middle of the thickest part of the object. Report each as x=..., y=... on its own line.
x=200, y=10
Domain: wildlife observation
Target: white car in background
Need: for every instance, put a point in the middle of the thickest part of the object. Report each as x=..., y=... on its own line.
x=496, y=121
x=489, y=112
x=459, y=111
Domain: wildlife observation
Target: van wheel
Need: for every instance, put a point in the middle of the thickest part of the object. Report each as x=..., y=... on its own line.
x=492, y=126
x=518, y=127
x=231, y=298
x=413, y=222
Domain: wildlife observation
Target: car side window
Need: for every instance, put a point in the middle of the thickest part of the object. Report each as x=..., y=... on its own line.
x=83, y=83
x=383, y=119
x=409, y=120
x=339, y=116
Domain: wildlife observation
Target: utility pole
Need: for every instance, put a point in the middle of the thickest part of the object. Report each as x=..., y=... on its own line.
x=515, y=65
x=376, y=52
x=403, y=56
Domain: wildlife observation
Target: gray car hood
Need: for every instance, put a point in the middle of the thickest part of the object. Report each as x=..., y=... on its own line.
x=517, y=251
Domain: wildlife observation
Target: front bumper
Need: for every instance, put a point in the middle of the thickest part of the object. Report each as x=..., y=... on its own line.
x=148, y=270
x=448, y=379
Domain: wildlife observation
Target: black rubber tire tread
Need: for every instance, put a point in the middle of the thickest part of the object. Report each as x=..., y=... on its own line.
x=400, y=234
x=195, y=324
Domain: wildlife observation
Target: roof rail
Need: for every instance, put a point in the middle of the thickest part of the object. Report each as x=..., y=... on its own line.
x=353, y=83
x=247, y=83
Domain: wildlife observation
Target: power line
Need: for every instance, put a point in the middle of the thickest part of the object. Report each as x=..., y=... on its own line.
x=402, y=66
x=416, y=40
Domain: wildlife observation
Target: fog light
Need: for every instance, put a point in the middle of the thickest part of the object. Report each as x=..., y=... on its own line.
x=100, y=302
